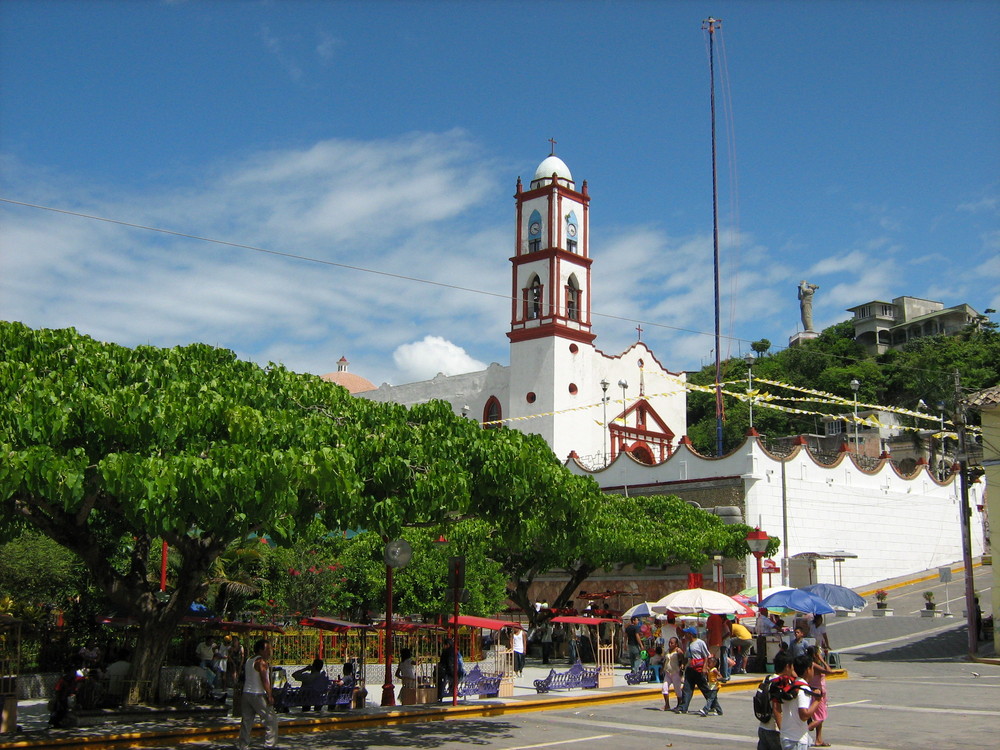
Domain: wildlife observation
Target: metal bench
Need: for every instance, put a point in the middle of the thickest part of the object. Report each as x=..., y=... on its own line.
x=477, y=683
x=305, y=696
x=577, y=676
x=320, y=692
x=646, y=674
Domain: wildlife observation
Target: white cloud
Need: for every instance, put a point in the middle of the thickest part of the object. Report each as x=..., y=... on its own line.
x=413, y=213
x=986, y=204
x=422, y=360
x=327, y=46
x=274, y=45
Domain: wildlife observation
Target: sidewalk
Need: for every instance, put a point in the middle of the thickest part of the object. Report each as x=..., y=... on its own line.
x=120, y=729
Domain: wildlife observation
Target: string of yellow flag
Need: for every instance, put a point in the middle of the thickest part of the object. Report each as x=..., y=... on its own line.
x=765, y=399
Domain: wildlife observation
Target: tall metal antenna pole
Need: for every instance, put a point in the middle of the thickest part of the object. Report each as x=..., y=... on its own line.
x=711, y=24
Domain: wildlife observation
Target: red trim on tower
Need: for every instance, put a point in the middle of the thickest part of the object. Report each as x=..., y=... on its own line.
x=548, y=330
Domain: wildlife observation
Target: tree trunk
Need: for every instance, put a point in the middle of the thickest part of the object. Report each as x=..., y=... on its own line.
x=519, y=595
x=150, y=652
x=576, y=578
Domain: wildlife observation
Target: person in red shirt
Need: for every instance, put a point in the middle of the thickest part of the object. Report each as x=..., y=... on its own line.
x=718, y=630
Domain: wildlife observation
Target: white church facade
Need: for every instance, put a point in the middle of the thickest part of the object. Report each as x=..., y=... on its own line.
x=837, y=523
x=557, y=379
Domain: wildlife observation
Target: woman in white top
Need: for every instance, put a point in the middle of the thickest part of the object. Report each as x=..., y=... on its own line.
x=672, y=672
x=517, y=645
x=407, y=669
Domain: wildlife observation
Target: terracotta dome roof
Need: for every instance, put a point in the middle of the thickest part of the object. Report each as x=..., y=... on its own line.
x=353, y=383
x=350, y=381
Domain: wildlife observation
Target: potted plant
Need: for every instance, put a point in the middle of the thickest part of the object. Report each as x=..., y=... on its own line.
x=929, y=600
x=880, y=596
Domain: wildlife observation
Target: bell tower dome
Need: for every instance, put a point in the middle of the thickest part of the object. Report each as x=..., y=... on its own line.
x=551, y=265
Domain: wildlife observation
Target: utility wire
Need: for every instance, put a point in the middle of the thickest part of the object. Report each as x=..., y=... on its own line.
x=402, y=277
x=309, y=259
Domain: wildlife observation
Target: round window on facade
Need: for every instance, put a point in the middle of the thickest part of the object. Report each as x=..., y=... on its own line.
x=530, y=398
x=573, y=348
x=572, y=389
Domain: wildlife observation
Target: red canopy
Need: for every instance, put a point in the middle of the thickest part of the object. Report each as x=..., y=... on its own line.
x=484, y=622
x=583, y=620
x=328, y=623
x=248, y=627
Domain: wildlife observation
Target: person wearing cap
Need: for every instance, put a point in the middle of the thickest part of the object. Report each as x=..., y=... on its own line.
x=696, y=655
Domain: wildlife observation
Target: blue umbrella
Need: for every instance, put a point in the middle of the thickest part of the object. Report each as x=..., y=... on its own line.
x=798, y=600
x=838, y=597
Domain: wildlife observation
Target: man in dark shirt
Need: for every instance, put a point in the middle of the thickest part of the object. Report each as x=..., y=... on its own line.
x=634, y=644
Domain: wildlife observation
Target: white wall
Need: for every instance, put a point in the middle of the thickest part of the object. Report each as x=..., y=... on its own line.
x=895, y=525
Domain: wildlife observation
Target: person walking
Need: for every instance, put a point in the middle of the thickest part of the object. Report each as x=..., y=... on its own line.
x=518, y=646
x=447, y=684
x=769, y=732
x=714, y=678
x=547, y=642
x=696, y=655
x=634, y=643
x=257, y=699
x=818, y=684
x=672, y=672
x=797, y=713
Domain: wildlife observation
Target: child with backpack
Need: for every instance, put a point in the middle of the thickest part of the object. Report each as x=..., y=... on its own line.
x=769, y=731
x=798, y=704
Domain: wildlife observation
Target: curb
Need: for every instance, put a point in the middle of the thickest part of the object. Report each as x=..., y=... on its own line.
x=911, y=581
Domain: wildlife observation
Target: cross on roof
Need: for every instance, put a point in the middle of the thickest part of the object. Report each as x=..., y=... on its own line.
x=638, y=329
x=553, y=142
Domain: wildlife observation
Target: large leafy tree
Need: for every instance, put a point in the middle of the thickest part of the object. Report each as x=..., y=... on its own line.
x=107, y=450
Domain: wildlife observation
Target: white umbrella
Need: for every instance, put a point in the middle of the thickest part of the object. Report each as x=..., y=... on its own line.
x=693, y=601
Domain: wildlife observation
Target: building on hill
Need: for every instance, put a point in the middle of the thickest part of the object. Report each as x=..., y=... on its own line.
x=881, y=326
x=558, y=384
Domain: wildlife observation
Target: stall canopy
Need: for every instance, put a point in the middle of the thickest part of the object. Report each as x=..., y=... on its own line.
x=337, y=626
x=485, y=622
x=583, y=620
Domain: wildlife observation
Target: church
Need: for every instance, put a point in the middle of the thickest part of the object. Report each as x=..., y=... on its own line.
x=621, y=418
x=584, y=402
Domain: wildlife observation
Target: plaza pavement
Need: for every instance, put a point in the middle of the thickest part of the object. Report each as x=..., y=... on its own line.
x=862, y=640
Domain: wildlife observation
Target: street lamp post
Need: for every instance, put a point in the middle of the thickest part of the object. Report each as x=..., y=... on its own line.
x=757, y=541
x=623, y=384
x=604, y=400
x=397, y=555
x=855, y=385
x=749, y=359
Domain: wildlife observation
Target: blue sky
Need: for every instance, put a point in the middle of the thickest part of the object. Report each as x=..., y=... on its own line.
x=864, y=157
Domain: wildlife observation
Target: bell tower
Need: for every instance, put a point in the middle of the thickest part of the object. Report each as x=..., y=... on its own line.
x=551, y=264
x=551, y=346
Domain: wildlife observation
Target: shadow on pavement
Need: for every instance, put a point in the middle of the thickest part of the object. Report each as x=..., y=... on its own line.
x=947, y=645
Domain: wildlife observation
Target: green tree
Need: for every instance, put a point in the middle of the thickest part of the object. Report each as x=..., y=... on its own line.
x=921, y=370
x=108, y=450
